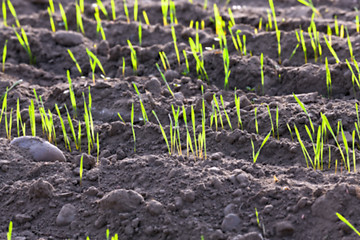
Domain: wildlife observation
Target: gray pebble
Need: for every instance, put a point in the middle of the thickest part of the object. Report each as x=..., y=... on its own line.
x=230, y=223
x=154, y=207
x=66, y=215
x=284, y=229
x=68, y=38
x=154, y=86
x=188, y=195
x=41, y=189
x=121, y=200
x=39, y=149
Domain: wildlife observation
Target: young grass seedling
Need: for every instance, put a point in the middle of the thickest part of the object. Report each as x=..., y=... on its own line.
x=163, y=132
x=9, y=233
x=63, y=16
x=143, y=111
x=146, y=19
x=99, y=28
x=175, y=44
x=271, y=121
x=32, y=118
x=164, y=9
x=102, y=8
x=226, y=115
x=24, y=42
x=303, y=45
x=140, y=33
x=52, y=24
x=94, y=61
x=256, y=122
x=4, y=54
x=66, y=138
x=132, y=125
x=126, y=12
x=123, y=67
x=136, y=10
x=164, y=79
x=13, y=12
x=304, y=109
x=310, y=4
x=8, y=125
x=72, y=95
x=187, y=71
x=350, y=45
x=347, y=223
x=262, y=72
x=3, y=6
x=79, y=22
x=328, y=78
x=278, y=33
x=81, y=168
x=133, y=57
x=237, y=105
x=331, y=50
x=255, y=156
x=113, y=9
x=219, y=112
x=75, y=61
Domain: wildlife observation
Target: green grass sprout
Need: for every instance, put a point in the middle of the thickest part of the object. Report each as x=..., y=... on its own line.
x=164, y=79
x=126, y=12
x=331, y=50
x=63, y=16
x=81, y=168
x=13, y=12
x=4, y=54
x=3, y=6
x=132, y=125
x=256, y=155
x=133, y=57
x=136, y=10
x=52, y=24
x=74, y=60
x=10, y=229
x=24, y=42
x=79, y=22
x=143, y=111
x=72, y=94
x=163, y=132
x=113, y=9
x=146, y=19
x=347, y=223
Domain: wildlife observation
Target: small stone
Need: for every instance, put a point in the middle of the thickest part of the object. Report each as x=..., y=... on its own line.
x=249, y=236
x=121, y=200
x=39, y=149
x=41, y=189
x=230, y=223
x=179, y=96
x=91, y=191
x=268, y=208
x=243, y=180
x=302, y=202
x=178, y=203
x=68, y=38
x=216, y=156
x=88, y=161
x=103, y=48
x=230, y=208
x=284, y=229
x=66, y=215
x=22, y=218
x=188, y=195
x=154, y=207
x=154, y=86
x=244, y=101
x=170, y=75
x=93, y=174
x=100, y=222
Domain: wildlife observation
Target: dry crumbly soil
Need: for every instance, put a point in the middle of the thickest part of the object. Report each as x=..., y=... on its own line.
x=149, y=194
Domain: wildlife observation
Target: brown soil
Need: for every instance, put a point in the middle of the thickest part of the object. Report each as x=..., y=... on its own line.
x=149, y=194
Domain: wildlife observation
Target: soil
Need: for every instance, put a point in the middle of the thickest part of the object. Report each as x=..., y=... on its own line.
x=148, y=193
